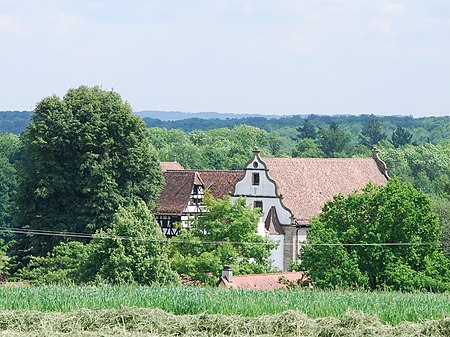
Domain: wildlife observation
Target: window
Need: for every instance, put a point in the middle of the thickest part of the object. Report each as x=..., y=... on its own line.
x=258, y=204
x=255, y=179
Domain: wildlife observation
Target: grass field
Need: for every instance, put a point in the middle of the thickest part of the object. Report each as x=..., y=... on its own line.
x=390, y=307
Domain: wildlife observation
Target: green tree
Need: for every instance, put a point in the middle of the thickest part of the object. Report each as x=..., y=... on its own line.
x=85, y=155
x=396, y=213
x=334, y=141
x=132, y=250
x=307, y=148
x=308, y=130
x=401, y=137
x=219, y=238
x=62, y=265
x=372, y=132
x=275, y=143
x=9, y=151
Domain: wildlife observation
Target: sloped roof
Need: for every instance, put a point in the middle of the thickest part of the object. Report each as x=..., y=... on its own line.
x=305, y=184
x=176, y=192
x=262, y=281
x=178, y=187
x=272, y=223
x=220, y=183
x=170, y=165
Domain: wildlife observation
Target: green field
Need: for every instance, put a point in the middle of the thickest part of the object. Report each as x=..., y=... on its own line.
x=389, y=307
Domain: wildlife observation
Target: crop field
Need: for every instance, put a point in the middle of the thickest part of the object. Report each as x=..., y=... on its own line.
x=188, y=311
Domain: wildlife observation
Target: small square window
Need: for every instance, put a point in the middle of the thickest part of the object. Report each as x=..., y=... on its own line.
x=258, y=204
x=255, y=179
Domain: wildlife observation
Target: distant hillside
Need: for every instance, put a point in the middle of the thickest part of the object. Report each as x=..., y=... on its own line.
x=14, y=121
x=178, y=115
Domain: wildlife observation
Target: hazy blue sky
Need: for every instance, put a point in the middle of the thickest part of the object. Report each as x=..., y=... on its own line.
x=255, y=56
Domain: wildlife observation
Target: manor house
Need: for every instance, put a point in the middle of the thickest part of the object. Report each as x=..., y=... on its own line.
x=289, y=191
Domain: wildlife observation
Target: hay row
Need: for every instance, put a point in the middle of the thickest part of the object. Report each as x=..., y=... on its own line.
x=155, y=322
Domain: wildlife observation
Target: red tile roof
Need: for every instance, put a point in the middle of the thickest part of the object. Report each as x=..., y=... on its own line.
x=307, y=183
x=262, y=281
x=167, y=165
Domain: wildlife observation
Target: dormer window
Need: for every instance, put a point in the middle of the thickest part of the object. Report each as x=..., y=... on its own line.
x=255, y=179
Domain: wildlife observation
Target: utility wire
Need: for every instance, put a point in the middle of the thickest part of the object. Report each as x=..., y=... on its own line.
x=108, y=237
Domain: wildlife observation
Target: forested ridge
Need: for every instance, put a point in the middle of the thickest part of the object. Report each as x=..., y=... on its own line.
x=424, y=129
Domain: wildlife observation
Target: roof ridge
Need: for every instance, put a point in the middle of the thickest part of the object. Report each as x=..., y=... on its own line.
x=272, y=274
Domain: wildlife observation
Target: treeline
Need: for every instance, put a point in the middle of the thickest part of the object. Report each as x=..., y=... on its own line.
x=426, y=129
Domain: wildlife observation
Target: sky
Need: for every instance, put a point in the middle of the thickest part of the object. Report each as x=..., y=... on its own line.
x=387, y=57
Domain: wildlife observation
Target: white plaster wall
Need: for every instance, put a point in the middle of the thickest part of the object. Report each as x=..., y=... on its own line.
x=265, y=192
x=261, y=227
x=276, y=255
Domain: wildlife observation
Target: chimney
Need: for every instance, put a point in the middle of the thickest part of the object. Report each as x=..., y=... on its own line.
x=381, y=164
x=227, y=272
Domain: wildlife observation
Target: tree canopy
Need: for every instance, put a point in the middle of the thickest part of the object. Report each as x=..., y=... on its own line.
x=132, y=250
x=85, y=155
x=225, y=235
x=397, y=241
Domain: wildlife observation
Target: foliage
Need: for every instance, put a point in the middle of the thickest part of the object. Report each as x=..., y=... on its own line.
x=219, y=238
x=426, y=167
x=390, y=307
x=60, y=266
x=214, y=149
x=308, y=130
x=307, y=148
x=372, y=132
x=132, y=250
x=85, y=155
x=401, y=137
x=441, y=206
x=396, y=213
x=334, y=141
x=9, y=151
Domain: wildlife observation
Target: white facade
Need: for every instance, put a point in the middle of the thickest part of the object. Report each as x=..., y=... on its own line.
x=260, y=191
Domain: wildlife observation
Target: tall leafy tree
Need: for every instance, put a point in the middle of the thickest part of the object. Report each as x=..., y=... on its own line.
x=308, y=130
x=392, y=214
x=85, y=155
x=334, y=141
x=307, y=148
x=9, y=149
x=132, y=250
x=372, y=132
x=401, y=137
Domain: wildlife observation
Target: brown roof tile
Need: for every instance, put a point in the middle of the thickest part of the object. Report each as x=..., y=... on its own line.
x=176, y=192
x=178, y=187
x=263, y=281
x=168, y=165
x=307, y=183
x=220, y=183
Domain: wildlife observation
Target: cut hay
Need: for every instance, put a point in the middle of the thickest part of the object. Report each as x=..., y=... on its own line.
x=155, y=322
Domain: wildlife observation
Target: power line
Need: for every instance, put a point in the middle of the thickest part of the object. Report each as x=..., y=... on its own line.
x=129, y=238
